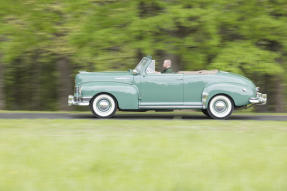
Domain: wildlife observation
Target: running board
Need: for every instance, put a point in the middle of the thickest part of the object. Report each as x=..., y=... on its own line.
x=170, y=107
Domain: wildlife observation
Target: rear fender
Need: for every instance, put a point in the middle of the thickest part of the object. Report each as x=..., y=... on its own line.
x=126, y=94
x=238, y=93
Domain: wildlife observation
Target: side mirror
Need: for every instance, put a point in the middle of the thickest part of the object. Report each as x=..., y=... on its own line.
x=135, y=72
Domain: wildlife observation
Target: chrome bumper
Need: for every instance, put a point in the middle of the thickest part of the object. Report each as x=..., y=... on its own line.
x=260, y=99
x=79, y=102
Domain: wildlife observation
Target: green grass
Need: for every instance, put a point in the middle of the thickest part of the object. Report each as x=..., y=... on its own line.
x=142, y=155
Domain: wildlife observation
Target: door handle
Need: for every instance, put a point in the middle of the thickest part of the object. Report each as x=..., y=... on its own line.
x=179, y=78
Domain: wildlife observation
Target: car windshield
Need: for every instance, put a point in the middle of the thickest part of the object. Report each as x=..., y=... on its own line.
x=151, y=67
x=141, y=64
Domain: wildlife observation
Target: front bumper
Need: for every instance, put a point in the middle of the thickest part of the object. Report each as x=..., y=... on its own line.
x=260, y=99
x=78, y=101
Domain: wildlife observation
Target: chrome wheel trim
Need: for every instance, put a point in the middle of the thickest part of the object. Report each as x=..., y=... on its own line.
x=104, y=105
x=220, y=106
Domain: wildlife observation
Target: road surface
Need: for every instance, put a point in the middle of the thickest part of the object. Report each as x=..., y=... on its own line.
x=137, y=116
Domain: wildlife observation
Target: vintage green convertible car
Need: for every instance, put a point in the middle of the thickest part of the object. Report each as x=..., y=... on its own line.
x=215, y=93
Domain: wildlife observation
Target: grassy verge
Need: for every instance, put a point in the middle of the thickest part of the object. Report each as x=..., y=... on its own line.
x=142, y=155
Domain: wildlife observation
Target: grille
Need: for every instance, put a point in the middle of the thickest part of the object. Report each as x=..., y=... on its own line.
x=76, y=90
x=77, y=95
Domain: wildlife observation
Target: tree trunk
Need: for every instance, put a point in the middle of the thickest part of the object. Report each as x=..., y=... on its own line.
x=279, y=95
x=36, y=83
x=176, y=62
x=2, y=102
x=65, y=86
x=274, y=87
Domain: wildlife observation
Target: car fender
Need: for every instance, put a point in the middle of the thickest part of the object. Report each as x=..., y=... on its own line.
x=239, y=93
x=126, y=94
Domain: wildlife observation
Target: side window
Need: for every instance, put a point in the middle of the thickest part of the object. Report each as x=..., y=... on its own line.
x=151, y=68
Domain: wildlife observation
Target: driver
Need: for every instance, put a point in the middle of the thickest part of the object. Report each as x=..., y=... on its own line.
x=166, y=67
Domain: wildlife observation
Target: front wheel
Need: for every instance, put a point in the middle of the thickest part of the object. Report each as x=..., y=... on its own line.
x=103, y=106
x=220, y=107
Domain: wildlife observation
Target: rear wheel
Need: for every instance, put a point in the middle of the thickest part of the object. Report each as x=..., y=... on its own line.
x=103, y=106
x=220, y=107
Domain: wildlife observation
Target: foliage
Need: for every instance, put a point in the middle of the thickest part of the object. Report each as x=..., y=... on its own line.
x=246, y=37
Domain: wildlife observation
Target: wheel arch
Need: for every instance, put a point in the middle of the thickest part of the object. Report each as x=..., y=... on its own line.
x=224, y=94
x=231, y=90
x=100, y=93
x=126, y=95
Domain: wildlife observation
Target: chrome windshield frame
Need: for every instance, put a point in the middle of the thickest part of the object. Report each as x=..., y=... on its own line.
x=142, y=65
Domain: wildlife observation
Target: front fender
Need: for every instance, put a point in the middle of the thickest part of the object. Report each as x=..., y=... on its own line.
x=126, y=94
x=238, y=92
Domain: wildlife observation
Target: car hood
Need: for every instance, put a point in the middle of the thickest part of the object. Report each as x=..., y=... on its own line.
x=84, y=77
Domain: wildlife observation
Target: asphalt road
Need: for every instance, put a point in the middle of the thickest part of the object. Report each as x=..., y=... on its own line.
x=137, y=116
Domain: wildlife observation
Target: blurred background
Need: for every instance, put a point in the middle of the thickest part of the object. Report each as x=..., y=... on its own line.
x=44, y=43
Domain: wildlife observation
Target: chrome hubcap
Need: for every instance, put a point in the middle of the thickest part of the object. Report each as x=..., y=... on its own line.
x=220, y=106
x=103, y=105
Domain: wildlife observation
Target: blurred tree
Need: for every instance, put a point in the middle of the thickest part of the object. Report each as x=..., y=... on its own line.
x=2, y=106
x=46, y=46
x=62, y=51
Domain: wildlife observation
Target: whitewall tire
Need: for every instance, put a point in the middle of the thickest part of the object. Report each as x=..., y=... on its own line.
x=103, y=106
x=220, y=107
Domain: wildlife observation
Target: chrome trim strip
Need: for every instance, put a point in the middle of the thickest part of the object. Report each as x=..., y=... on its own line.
x=170, y=106
x=160, y=103
x=204, y=99
x=122, y=78
x=170, y=103
x=88, y=97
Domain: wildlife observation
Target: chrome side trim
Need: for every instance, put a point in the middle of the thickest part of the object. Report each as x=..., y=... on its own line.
x=122, y=78
x=193, y=103
x=160, y=103
x=204, y=99
x=170, y=106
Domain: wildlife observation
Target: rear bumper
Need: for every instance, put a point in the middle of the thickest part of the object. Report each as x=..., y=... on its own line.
x=78, y=101
x=260, y=99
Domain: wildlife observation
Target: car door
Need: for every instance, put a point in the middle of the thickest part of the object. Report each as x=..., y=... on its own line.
x=193, y=88
x=161, y=89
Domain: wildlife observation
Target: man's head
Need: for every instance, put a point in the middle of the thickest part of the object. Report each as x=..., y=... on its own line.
x=166, y=63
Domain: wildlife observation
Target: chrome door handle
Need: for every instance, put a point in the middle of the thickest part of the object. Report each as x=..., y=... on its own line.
x=179, y=78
